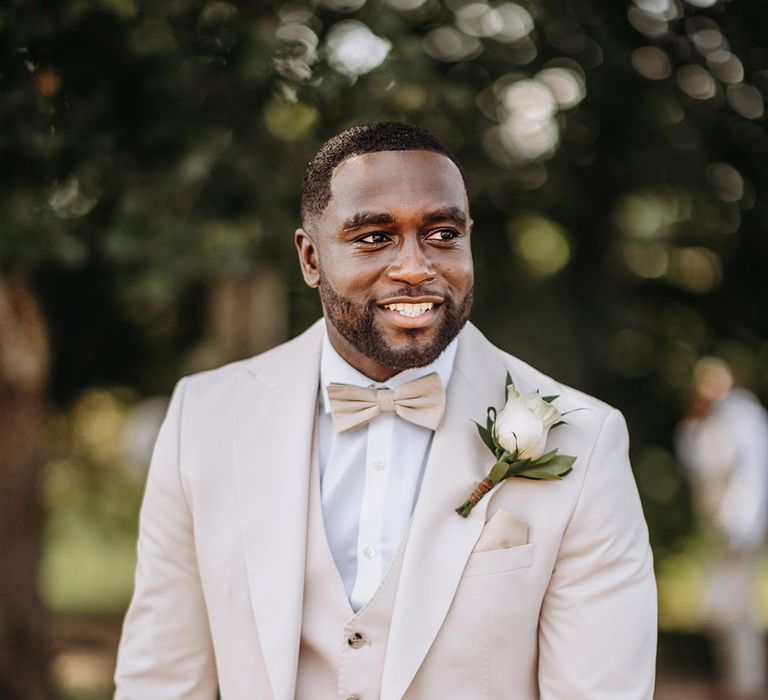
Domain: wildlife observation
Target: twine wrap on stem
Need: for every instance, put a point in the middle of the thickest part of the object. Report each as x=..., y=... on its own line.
x=482, y=488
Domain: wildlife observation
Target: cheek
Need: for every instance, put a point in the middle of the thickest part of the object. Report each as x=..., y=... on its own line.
x=350, y=277
x=460, y=272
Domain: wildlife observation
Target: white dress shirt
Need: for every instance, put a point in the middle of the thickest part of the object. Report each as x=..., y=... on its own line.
x=370, y=476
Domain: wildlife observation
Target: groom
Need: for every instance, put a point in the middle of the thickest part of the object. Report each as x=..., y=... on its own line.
x=298, y=534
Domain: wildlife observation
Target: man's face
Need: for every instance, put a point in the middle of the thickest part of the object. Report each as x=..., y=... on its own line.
x=391, y=256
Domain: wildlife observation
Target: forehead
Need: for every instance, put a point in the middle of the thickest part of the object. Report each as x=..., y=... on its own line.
x=396, y=181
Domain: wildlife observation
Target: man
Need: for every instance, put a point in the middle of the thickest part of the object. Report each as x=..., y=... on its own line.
x=288, y=550
x=723, y=443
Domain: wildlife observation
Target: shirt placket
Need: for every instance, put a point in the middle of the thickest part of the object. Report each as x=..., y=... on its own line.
x=372, y=512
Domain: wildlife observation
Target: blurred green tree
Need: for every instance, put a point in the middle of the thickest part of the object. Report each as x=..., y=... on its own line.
x=153, y=155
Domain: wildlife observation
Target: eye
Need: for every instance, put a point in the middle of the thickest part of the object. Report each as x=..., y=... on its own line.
x=374, y=238
x=444, y=235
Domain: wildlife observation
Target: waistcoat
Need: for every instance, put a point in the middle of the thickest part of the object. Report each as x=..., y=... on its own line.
x=342, y=653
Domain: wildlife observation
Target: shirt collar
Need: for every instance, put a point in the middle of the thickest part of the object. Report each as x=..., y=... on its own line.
x=334, y=369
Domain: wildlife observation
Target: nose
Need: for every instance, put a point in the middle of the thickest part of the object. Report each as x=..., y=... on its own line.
x=411, y=265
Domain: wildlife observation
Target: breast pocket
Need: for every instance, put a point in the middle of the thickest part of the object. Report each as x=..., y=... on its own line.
x=498, y=561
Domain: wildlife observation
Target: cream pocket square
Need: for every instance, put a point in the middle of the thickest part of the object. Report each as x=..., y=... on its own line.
x=502, y=531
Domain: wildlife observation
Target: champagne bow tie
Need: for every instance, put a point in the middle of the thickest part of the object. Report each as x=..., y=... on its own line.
x=421, y=401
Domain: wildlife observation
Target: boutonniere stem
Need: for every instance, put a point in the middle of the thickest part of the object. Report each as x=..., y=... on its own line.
x=517, y=435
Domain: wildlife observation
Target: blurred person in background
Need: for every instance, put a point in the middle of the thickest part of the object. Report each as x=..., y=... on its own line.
x=723, y=444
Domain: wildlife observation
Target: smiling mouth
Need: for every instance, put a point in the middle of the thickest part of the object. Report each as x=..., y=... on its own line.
x=410, y=310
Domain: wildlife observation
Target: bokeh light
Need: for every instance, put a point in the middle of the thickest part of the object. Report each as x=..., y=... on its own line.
x=650, y=214
x=479, y=19
x=353, y=49
x=405, y=5
x=695, y=268
x=289, y=121
x=696, y=82
x=651, y=62
x=566, y=85
x=342, y=5
x=726, y=181
x=516, y=23
x=449, y=44
x=543, y=245
x=725, y=66
x=746, y=100
x=68, y=200
x=527, y=110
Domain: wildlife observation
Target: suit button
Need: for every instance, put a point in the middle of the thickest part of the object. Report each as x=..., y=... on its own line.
x=356, y=640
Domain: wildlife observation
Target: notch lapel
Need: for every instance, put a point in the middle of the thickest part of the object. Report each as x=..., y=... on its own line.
x=440, y=541
x=273, y=442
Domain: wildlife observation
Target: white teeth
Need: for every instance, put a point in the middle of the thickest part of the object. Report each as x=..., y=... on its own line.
x=411, y=310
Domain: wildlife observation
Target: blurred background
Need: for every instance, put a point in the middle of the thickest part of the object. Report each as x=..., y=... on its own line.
x=152, y=155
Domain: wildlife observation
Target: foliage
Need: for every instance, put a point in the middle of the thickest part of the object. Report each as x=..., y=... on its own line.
x=616, y=155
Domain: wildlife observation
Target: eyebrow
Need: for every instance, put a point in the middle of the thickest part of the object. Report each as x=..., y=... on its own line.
x=448, y=214
x=367, y=218
x=371, y=218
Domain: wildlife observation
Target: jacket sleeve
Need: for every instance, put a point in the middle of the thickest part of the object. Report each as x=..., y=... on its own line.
x=166, y=651
x=597, y=630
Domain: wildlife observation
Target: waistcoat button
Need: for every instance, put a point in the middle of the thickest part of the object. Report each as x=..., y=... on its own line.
x=356, y=640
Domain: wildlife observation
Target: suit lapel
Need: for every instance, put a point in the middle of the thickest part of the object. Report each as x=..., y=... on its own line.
x=273, y=443
x=440, y=541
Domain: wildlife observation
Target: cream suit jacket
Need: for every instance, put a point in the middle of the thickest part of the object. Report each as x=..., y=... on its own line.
x=568, y=612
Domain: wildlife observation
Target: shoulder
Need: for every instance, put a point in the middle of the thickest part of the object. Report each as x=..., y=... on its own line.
x=584, y=410
x=267, y=369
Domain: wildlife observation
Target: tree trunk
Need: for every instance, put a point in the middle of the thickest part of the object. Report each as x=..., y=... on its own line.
x=24, y=363
x=245, y=316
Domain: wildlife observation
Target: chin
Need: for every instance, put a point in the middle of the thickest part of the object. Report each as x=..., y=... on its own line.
x=412, y=348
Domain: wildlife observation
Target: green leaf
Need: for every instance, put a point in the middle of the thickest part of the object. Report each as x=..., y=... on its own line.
x=517, y=466
x=562, y=462
x=507, y=456
x=546, y=457
x=540, y=475
x=556, y=468
x=550, y=399
x=486, y=437
x=498, y=472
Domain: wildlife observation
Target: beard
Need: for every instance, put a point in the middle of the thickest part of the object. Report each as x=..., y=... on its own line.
x=356, y=323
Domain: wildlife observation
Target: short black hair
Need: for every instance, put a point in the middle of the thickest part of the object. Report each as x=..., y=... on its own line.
x=365, y=138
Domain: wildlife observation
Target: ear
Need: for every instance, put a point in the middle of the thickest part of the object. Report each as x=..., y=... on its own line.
x=310, y=267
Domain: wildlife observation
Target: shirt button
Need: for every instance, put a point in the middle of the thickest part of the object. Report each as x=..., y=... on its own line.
x=356, y=640
x=378, y=464
x=369, y=552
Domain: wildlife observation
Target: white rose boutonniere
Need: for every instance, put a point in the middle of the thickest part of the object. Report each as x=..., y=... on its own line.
x=517, y=436
x=523, y=424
